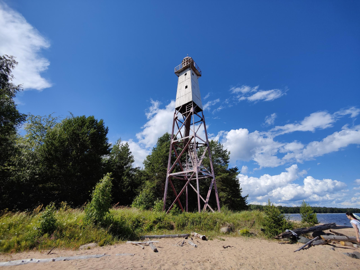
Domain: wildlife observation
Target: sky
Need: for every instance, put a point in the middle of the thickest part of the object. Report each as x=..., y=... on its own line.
x=280, y=83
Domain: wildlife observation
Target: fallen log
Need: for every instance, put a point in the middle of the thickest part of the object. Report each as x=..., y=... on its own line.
x=153, y=247
x=202, y=237
x=141, y=243
x=288, y=234
x=319, y=242
x=339, y=238
x=164, y=236
x=337, y=233
x=308, y=243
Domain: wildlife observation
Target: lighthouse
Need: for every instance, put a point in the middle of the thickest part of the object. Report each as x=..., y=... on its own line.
x=189, y=144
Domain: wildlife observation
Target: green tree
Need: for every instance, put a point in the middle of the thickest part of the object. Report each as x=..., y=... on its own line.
x=274, y=222
x=71, y=155
x=125, y=178
x=307, y=214
x=99, y=207
x=10, y=119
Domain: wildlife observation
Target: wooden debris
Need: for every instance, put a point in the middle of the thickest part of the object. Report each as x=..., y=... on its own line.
x=141, y=243
x=308, y=243
x=165, y=236
x=153, y=247
x=192, y=243
x=300, y=231
x=227, y=246
x=339, y=238
x=202, y=237
x=337, y=233
x=50, y=250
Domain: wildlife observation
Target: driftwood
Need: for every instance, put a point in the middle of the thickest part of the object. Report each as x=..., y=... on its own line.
x=319, y=242
x=202, y=237
x=337, y=233
x=301, y=231
x=164, y=236
x=339, y=238
x=153, y=247
x=191, y=243
x=141, y=243
x=308, y=243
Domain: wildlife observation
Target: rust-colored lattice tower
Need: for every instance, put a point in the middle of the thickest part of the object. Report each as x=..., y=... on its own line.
x=189, y=142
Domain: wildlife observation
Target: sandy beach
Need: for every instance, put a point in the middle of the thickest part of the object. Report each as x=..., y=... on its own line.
x=240, y=253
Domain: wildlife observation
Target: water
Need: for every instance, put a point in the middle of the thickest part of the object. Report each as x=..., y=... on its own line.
x=338, y=218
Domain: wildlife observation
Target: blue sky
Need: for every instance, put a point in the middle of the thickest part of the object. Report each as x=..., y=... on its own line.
x=280, y=81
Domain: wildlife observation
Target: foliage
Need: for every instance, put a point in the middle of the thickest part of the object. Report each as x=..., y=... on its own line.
x=126, y=181
x=19, y=231
x=307, y=214
x=48, y=220
x=72, y=155
x=145, y=200
x=10, y=119
x=274, y=222
x=158, y=205
x=97, y=210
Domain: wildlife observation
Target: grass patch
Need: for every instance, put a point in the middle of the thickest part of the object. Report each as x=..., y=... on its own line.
x=22, y=231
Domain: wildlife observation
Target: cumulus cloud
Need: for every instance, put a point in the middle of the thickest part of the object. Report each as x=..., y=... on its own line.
x=317, y=120
x=160, y=121
x=24, y=42
x=331, y=143
x=210, y=103
x=357, y=181
x=270, y=119
x=281, y=189
x=253, y=94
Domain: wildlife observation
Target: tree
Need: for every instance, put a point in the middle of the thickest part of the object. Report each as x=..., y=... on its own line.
x=274, y=221
x=125, y=181
x=10, y=119
x=307, y=214
x=71, y=155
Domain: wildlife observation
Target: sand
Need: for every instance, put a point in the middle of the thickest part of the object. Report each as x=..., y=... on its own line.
x=242, y=253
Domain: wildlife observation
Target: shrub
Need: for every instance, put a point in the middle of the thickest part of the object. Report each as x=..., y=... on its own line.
x=98, y=209
x=145, y=200
x=48, y=220
x=307, y=214
x=158, y=206
x=274, y=222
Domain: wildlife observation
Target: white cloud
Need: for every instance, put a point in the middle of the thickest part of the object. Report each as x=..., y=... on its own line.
x=160, y=121
x=244, y=169
x=357, y=181
x=24, y=42
x=270, y=119
x=331, y=143
x=210, y=103
x=207, y=96
x=266, y=183
x=253, y=94
x=317, y=120
x=138, y=152
x=268, y=95
x=281, y=189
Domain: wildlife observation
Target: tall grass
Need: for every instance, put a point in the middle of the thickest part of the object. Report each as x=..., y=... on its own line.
x=21, y=231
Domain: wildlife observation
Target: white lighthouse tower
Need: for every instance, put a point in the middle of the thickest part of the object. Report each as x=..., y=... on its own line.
x=187, y=144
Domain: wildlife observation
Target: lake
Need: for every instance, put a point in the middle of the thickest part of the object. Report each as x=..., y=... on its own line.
x=338, y=218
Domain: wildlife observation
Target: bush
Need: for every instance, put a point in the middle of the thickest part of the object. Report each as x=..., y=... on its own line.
x=158, y=206
x=98, y=209
x=274, y=222
x=308, y=216
x=48, y=220
x=145, y=200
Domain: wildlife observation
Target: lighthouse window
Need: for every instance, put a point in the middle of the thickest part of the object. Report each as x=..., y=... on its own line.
x=185, y=86
x=185, y=74
x=192, y=73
